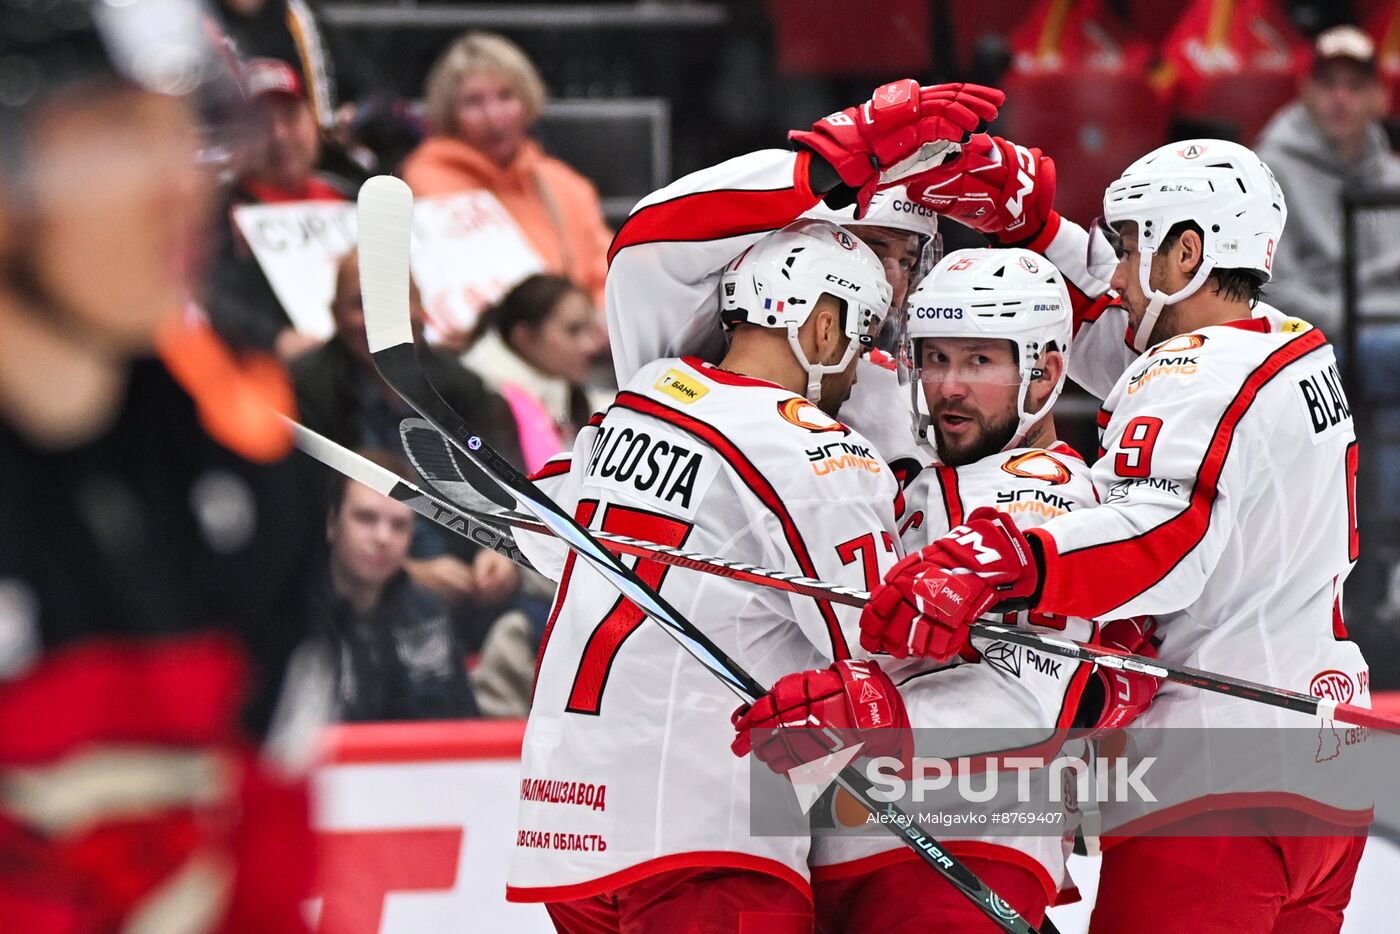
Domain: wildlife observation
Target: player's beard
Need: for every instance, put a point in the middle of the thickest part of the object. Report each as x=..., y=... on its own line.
x=991, y=438
x=836, y=389
x=1167, y=326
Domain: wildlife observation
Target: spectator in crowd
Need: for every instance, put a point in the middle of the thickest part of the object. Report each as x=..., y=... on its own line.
x=342, y=85
x=342, y=396
x=504, y=678
x=1327, y=140
x=535, y=347
x=482, y=97
x=397, y=655
x=241, y=303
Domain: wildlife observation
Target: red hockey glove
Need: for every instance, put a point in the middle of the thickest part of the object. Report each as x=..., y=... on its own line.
x=995, y=186
x=900, y=117
x=1122, y=696
x=929, y=599
x=855, y=698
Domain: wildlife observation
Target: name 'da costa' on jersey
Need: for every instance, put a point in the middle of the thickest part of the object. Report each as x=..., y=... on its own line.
x=651, y=463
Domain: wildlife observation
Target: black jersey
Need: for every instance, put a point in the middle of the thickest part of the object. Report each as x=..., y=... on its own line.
x=155, y=530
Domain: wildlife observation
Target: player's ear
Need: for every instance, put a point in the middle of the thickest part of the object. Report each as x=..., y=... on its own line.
x=1188, y=251
x=826, y=332
x=1052, y=366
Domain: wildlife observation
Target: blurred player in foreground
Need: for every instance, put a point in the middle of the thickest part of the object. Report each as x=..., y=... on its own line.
x=154, y=534
x=1198, y=525
x=633, y=815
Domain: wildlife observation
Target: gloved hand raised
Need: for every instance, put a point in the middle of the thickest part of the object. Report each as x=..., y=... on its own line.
x=899, y=119
x=994, y=186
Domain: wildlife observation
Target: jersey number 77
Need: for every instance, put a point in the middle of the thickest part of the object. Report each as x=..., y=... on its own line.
x=623, y=618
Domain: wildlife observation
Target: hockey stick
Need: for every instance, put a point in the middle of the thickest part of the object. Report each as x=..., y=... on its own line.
x=432, y=456
x=473, y=526
x=384, y=217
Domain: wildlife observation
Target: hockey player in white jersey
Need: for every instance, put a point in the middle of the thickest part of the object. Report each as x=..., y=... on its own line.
x=1228, y=511
x=633, y=816
x=666, y=259
x=743, y=466
x=987, y=334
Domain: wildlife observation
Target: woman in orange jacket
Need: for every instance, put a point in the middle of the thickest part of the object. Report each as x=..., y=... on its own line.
x=482, y=97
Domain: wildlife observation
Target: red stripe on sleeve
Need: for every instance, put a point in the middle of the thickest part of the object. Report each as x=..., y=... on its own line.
x=1047, y=234
x=952, y=500
x=552, y=469
x=1086, y=310
x=716, y=215
x=756, y=482
x=1094, y=580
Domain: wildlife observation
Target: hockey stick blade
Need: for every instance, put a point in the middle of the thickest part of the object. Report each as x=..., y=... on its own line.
x=478, y=529
x=435, y=460
x=385, y=216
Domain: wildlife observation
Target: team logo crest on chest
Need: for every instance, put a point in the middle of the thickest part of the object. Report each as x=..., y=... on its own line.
x=1037, y=465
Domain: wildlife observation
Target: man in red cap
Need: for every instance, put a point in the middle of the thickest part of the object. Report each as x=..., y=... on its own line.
x=280, y=168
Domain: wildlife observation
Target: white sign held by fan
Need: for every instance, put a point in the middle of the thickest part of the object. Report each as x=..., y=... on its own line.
x=467, y=253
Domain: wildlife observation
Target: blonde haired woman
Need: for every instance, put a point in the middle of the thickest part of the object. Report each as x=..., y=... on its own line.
x=482, y=97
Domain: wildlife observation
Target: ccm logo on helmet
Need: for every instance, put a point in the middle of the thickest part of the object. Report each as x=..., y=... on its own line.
x=844, y=283
x=947, y=314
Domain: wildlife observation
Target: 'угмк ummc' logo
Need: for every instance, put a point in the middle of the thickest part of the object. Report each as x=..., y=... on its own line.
x=1332, y=685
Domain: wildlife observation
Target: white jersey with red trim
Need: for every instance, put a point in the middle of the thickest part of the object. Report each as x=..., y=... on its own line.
x=1010, y=686
x=626, y=767
x=665, y=263
x=1227, y=510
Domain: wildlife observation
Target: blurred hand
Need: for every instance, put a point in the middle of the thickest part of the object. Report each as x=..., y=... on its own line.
x=450, y=578
x=497, y=577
